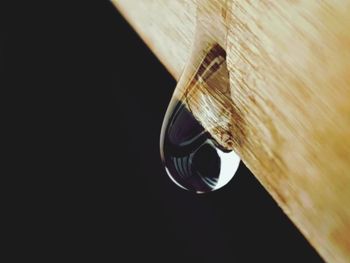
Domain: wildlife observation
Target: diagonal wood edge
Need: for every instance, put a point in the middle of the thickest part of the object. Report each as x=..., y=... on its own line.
x=154, y=21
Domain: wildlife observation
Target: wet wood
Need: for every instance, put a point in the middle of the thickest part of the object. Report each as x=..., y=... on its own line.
x=289, y=113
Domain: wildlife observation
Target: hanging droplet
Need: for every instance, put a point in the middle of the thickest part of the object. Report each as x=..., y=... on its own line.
x=193, y=159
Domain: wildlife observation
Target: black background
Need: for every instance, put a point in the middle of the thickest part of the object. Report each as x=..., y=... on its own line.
x=92, y=99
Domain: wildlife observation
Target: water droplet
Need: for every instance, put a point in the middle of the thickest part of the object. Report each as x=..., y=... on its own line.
x=193, y=159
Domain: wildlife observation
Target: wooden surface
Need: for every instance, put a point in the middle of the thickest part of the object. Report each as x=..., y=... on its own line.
x=289, y=113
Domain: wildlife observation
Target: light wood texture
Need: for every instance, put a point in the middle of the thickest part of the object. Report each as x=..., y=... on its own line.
x=289, y=76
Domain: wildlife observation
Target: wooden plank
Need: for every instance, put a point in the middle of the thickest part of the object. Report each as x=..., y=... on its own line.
x=289, y=113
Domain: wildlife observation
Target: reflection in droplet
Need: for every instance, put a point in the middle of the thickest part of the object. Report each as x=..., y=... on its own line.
x=193, y=159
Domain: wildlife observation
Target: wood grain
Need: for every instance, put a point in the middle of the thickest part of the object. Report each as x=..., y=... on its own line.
x=289, y=79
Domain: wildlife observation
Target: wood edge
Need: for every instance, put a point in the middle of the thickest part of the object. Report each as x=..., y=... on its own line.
x=148, y=42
